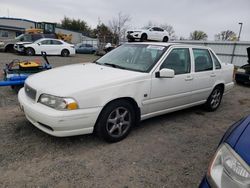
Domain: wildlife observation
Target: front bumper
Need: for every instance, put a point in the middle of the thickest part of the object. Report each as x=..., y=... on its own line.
x=134, y=36
x=58, y=123
x=242, y=78
x=19, y=48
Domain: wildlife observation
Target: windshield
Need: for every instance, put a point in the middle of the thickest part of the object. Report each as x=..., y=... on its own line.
x=24, y=38
x=136, y=57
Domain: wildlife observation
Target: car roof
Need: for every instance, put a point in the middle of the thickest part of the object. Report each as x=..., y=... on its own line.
x=168, y=44
x=41, y=39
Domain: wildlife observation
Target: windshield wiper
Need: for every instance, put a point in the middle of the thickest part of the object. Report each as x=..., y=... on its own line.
x=114, y=65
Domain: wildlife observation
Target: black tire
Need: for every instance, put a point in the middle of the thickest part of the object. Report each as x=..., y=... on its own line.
x=214, y=100
x=165, y=39
x=30, y=51
x=9, y=48
x=65, y=53
x=17, y=88
x=238, y=82
x=131, y=40
x=144, y=37
x=113, y=126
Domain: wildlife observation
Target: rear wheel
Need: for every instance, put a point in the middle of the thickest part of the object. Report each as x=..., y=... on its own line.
x=131, y=40
x=144, y=37
x=65, y=53
x=30, y=51
x=214, y=100
x=165, y=39
x=115, y=121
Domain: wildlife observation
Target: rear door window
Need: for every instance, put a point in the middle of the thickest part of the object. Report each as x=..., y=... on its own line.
x=202, y=60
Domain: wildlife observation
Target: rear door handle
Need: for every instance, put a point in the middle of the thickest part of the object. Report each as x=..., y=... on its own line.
x=189, y=78
x=212, y=75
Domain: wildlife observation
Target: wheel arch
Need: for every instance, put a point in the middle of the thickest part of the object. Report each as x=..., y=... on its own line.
x=221, y=85
x=131, y=100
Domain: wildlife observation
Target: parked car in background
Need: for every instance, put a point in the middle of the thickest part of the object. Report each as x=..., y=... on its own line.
x=85, y=49
x=133, y=82
x=242, y=75
x=150, y=33
x=230, y=166
x=9, y=44
x=50, y=46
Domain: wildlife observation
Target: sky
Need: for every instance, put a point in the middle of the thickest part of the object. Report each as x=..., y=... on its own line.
x=210, y=16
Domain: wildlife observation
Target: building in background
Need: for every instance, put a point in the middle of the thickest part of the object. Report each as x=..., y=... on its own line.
x=13, y=27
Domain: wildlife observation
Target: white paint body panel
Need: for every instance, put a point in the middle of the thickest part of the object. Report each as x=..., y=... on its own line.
x=93, y=86
x=51, y=49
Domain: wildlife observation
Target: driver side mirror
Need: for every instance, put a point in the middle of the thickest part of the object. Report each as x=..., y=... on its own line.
x=165, y=73
x=39, y=43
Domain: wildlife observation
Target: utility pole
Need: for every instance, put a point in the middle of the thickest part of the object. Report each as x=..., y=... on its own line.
x=241, y=24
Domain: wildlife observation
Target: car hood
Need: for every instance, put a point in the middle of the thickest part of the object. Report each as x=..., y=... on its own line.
x=67, y=80
x=22, y=43
x=243, y=144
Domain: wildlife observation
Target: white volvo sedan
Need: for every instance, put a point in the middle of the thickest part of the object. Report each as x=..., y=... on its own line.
x=133, y=82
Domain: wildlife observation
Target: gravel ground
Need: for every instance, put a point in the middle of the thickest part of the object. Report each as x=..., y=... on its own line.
x=172, y=150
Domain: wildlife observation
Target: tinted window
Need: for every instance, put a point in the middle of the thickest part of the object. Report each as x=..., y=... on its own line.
x=56, y=42
x=36, y=37
x=202, y=59
x=216, y=61
x=89, y=46
x=178, y=60
x=46, y=42
x=159, y=29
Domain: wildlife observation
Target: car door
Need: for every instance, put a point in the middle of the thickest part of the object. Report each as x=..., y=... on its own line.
x=167, y=93
x=152, y=34
x=56, y=47
x=45, y=46
x=159, y=34
x=204, y=74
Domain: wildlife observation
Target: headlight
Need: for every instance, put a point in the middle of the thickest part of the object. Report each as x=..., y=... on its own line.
x=227, y=169
x=241, y=70
x=59, y=103
x=1, y=43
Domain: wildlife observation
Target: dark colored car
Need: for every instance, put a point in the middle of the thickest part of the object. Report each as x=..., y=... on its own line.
x=230, y=166
x=85, y=49
x=242, y=75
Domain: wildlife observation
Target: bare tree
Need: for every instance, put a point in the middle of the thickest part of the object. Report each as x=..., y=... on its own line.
x=118, y=25
x=227, y=35
x=198, y=35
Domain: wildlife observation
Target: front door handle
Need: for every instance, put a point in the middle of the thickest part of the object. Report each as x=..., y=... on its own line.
x=189, y=78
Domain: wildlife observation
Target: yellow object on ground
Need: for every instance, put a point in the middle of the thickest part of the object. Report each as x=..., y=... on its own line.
x=29, y=64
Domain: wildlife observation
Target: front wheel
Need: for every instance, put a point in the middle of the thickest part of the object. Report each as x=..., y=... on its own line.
x=144, y=37
x=214, y=100
x=30, y=51
x=115, y=121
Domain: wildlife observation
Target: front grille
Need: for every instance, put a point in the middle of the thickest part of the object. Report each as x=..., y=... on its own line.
x=30, y=92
